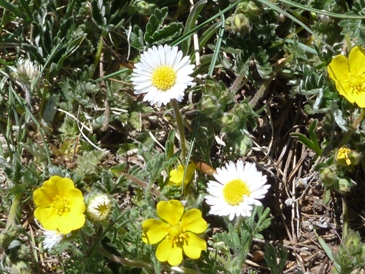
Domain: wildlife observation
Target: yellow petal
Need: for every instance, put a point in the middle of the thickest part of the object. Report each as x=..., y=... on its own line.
x=170, y=211
x=194, y=246
x=359, y=98
x=54, y=186
x=357, y=61
x=47, y=217
x=168, y=251
x=345, y=90
x=63, y=184
x=193, y=221
x=70, y=222
x=43, y=197
x=76, y=200
x=177, y=175
x=338, y=69
x=153, y=231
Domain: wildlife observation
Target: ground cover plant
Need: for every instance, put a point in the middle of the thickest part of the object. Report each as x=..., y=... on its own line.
x=167, y=136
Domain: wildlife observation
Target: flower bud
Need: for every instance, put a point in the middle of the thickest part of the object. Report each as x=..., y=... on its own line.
x=98, y=207
x=252, y=9
x=237, y=24
x=328, y=176
x=26, y=71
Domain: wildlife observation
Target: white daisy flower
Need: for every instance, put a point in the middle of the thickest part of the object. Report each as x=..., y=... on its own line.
x=51, y=238
x=98, y=207
x=163, y=74
x=236, y=191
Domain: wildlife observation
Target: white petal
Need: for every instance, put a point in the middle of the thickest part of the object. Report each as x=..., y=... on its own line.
x=239, y=171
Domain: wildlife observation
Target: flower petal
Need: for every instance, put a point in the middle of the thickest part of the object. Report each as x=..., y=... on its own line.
x=43, y=196
x=154, y=231
x=177, y=175
x=70, y=221
x=359, y=98
x=194, y=246
x=344, y=88
x=357, y=61
x=170, y=211
x=193, y=221
x=170, y=252
x=48, y=218
x=76, y=200
x=338, y=69
x=247, y=173
x=63, y=184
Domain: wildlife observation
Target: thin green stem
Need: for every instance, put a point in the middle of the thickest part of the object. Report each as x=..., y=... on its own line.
x=180, y=126
x=144, y=185
x=217, y=46
x=328, y=13
x=266, y=84
x=208, y=21
x=238, y=223
x=13, y=210
x=124, y=261
x=98, y=52
x=345, y=217
x=353, y=128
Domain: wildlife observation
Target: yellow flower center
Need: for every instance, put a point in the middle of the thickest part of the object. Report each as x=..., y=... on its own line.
x=60, y=205
x=164, y=78
x=102, y=209
x=357, y=83
x=176, y=233
x=234, y=191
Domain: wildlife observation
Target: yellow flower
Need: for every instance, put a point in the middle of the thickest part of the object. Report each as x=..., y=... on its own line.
x=349, y=75
x=176, y=232
x=60, y=206
x=177, y=175
x=344, y=155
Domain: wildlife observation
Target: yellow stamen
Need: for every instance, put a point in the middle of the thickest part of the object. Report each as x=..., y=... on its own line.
x=176, y=233
x=234, y=191
x=60, y=205
x=357, y=83
x=164, y=78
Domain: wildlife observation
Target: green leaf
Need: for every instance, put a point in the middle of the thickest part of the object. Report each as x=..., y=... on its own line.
x=155, y=23
x=136, y=38
x=311, y=142
x=326, y=196
x=14, y=9
x=204, y=38
x=313, y=136
x=88, y=162
x=191, y=22
x=275, y=258
x=166, y=34
x=50, y=109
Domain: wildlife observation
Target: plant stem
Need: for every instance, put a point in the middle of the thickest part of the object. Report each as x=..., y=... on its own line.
x=144, y=185
x=353, y=128
x=180, y=126
x=99, y=50
x=345, y=217
x=238, y=223
x=280, y=64
x=124, y=261
x=13, y=210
